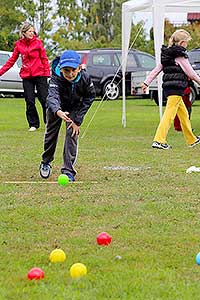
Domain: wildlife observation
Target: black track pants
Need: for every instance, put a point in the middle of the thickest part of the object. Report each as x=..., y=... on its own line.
x=29, y=85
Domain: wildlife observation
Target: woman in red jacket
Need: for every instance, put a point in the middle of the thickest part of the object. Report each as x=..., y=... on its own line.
x=34, y=72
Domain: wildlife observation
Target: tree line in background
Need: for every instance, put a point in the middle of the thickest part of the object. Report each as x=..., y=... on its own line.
x=78, y=24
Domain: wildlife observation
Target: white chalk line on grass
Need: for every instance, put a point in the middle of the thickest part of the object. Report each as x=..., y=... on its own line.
x=48, y=182
x=126, y=168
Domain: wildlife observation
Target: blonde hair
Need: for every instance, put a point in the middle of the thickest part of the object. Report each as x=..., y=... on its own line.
x=25, y=27
x=178, y=36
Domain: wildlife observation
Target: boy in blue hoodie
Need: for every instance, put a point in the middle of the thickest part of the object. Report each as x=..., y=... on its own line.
x=71, y=93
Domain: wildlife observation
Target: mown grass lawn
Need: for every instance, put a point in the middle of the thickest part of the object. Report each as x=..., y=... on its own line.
x=151, y=209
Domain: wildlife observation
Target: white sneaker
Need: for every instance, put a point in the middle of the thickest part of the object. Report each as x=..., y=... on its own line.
x=32, y=128
x=195, y=143
x=45, y=170
x=160, y=146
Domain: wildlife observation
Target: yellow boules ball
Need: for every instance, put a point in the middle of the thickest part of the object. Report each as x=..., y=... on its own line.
x=57, y=255
x=78, y=270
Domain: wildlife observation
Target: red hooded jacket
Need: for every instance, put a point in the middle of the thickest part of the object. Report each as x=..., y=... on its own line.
x=34, y=58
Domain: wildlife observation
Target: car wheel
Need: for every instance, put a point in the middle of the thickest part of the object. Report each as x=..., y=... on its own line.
x=193, y=95
x=112, y=90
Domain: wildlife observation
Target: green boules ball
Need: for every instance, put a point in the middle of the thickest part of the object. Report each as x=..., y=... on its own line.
x=63, y=179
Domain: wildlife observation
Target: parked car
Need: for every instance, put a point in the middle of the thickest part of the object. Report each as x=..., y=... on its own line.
x=104, y=67
x=152, y=91
x=10, y=82
x=194, y=58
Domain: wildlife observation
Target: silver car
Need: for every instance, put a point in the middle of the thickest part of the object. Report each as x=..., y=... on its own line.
x=10, y=82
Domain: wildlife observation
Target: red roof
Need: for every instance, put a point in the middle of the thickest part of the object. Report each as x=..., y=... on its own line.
x=193, y=16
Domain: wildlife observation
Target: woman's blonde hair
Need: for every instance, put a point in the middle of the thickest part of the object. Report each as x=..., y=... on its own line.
x=178, y=36
x=25, y=27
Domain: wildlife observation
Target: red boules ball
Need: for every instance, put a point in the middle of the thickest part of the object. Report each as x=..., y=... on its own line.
x=104, y=239
x=35, y=273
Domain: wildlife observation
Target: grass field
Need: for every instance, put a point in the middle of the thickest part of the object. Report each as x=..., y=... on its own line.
x=151, y=209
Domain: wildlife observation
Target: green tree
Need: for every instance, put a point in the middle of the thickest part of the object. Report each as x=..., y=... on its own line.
x=10, y=18
x=71, y=20
x=14, y=13
x=40, y=14
x=193, y=29
x=94, y=23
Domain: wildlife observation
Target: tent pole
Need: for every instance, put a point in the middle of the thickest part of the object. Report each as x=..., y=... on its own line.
x=126, y=29
x=158, y=28
x=123, y=100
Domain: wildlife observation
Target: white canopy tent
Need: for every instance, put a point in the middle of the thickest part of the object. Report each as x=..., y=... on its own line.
x=158, y=8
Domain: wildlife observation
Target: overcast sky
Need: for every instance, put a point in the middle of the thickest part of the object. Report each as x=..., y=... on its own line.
x=147, y=18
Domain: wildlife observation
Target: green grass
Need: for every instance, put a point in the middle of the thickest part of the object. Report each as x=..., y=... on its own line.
x=152, y=214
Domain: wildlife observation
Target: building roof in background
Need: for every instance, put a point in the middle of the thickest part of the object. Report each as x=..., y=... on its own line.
x=193, y=16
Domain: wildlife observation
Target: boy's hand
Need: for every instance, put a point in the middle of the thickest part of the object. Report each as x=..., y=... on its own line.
x=75, y=128
x=63, y=115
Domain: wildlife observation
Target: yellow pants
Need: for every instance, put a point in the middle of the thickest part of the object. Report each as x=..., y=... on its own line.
x=175, y=105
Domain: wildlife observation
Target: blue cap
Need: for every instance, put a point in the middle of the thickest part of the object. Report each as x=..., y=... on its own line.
x=69, y=58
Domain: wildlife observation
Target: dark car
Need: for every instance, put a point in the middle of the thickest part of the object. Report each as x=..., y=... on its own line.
x=194, y=58
x=104, y=67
